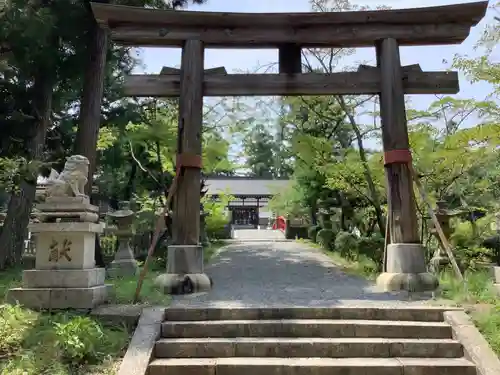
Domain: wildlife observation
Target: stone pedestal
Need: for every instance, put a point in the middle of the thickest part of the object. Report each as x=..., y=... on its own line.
x=124, y=263
x=406, y=270
x=65, y=275
x=185, y=273
x=68, y=209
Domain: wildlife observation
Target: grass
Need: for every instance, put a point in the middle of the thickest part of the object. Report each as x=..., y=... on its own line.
x=478, y=296
x=35, y=343
x=124, y=288
x=363, y=266
x=39, y=343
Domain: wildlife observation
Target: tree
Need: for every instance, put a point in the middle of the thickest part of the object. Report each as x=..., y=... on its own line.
x=260, y=149
x=31, y=65
x=96, y=41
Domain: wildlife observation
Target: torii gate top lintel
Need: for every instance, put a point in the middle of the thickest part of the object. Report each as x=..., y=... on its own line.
x=416, y=26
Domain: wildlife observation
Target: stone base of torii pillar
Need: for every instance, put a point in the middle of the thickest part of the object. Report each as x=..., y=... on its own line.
x=406, y=270
x=185, y=273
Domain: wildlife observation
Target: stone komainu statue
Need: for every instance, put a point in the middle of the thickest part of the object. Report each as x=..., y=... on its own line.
x=71, y=181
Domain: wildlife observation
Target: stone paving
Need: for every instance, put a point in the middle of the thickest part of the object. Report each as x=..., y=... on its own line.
x=283, y=273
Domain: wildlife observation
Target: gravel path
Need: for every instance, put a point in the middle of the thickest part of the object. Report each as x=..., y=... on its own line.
x=282, y=273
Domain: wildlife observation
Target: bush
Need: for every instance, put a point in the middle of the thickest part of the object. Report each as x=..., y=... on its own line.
x=216, y=225
x=108, y=244
x=312, y=232
x=325, y=238
x=292, y=232
x=347, y=244
x=469, y=257
x=372, y=247
x=467, y=240
x=218, y=218
x=58, y=344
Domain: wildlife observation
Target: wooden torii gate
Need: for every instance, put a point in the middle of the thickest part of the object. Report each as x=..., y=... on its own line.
x=386, y=30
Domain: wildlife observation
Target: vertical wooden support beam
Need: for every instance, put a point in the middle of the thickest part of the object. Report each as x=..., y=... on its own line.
x=403, y=222
x=187, y=198
x=406, y=268
x=185, y=271
x=290, y=59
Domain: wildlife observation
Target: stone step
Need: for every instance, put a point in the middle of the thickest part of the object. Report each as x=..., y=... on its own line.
x=312, y=366
x=407, y=313
x=307, y=347
x=307, y=328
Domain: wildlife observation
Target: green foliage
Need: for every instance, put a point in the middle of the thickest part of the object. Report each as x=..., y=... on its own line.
x=372, y=247
x=146, y=216
x=218, y=216
x=260, y=149
x=78, y=338
x=347, y=244
x=61, y=344
x=466, y=240
x=312, y=232
x=108, y=244
x=326, y=238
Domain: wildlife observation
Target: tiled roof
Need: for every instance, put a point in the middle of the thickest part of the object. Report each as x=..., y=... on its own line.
x=244, y=186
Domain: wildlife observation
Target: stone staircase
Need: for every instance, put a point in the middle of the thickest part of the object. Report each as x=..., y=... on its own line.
x=308, y=341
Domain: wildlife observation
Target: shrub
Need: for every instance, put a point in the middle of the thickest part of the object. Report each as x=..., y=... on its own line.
x=63, y=343
x=372, y=247
x=312, y=232
x=467, y=240
x=347, y=244
x=217, y=220
x=108, y=244
x=325, y=238
x=79, y=339
x=469, y=257
x=292, y=232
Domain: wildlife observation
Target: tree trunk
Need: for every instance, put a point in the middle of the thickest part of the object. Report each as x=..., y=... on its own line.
x=90, y=106
x=130, y=187
x=366, y=169
x=15, y=228
x=90, y=109
x=314, y=210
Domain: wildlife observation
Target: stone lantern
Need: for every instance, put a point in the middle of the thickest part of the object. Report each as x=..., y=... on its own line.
x=440, y=258
x=124, y=263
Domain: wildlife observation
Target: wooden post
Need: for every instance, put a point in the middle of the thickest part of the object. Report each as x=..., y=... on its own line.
x=290, y=59
x=187, y=199
x=406, y=268
x=185, y=271
x=403, y=221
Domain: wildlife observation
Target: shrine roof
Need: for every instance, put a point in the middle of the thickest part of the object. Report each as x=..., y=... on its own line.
x=244, y=186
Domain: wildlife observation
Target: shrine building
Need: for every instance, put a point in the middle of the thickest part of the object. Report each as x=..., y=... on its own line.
x=250, y=208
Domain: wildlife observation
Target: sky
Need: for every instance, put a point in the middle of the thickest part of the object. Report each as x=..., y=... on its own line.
x=430, y=58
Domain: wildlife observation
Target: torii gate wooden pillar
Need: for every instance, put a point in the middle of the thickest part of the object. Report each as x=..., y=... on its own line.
x=387, y=30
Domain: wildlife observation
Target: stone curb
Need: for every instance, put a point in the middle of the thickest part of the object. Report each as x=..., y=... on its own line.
x=476, y=348
x=256, y=240
x=141, y=347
